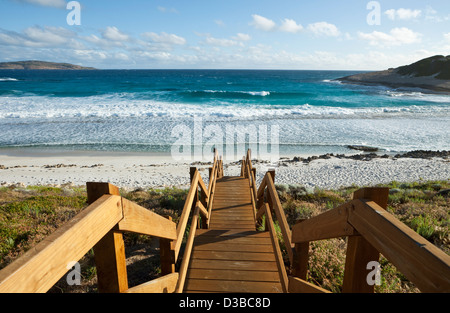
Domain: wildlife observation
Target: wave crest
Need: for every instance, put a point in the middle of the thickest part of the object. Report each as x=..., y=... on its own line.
x=8, y=79
x=123, y=107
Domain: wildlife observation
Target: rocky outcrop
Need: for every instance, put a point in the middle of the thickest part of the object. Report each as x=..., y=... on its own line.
x=432, y=74
x=41, y=65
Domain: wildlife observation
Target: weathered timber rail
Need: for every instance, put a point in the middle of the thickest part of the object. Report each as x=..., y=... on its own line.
x=224, y=251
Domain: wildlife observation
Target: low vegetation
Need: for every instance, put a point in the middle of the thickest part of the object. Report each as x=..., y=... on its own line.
x=27, y=215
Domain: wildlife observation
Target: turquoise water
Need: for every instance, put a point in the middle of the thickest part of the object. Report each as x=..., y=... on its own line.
x=142, y=110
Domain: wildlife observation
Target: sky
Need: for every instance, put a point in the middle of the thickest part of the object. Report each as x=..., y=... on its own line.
x=225, y=34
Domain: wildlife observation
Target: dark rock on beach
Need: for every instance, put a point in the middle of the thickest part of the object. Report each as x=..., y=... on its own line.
x=417, y=154
x=363, y=148
x=422, y=154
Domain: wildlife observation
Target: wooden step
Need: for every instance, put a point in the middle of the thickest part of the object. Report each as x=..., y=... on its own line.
x=231, y=256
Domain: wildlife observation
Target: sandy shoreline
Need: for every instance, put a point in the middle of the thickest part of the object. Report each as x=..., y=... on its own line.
x=134, y=170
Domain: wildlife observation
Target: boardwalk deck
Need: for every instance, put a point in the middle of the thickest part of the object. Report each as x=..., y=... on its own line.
x=231, y=256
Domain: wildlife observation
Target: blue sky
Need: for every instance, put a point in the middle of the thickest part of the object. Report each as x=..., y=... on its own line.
x=244, y=34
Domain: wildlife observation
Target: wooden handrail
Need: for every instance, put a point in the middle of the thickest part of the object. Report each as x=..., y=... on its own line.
x=371, y=230
x=276, y=245
x=164, y=284
x=181, y=227
x=187, y=252
x=215, y=172
x=41, y=267
x=420, y=261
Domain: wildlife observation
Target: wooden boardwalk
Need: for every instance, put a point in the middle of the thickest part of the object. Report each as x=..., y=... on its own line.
x=232, y=256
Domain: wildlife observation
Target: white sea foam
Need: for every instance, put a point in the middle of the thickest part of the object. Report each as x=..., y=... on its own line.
x=258, y=93
x=8, y=79
x=252, y=93
x=124, y=106
x=417, y=95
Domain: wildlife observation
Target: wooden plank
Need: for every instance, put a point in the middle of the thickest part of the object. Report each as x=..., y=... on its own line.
x=110, y=263
x=96, y=190
x=301, y=260
x=241, y=216
x=236, y=206
x=221, y=226
x=233, y=240
x=281, y=217
x=330, y=224
x=42, y=266
x=359, y=251
x=203, y=187
x=187, y=252
x=233, y=275
x=215, y=233
x=419, y=260
x=235, y=265
x=109, y=252
x=181, y=227
x=235, y=223
x=297, y=285
x=277, y=250
x=233, y=286
x=167, y=255
x=165, y=284
x=233, y=256
x=232, y=234
x=379, y=195
x=202, y=210
x=220, y=246
x=140, y=220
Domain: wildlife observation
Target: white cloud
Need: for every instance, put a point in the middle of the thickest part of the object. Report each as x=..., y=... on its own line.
x=447, y=37
x=166, y=10
x=290, y=26
x=114, y=34
x=219, y=23
x=49, y=35
x=262, y=23
x=221, y=42
x=396, y=37
x=403, y=14
x=432, y=15
x=324, y=29
x=242, y=37
x=37, y=36
x=164, y=38
x=47, y=3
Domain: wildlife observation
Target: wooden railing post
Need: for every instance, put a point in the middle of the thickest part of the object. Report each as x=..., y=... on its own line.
x=204, y=222
x=301, y=258
x=359, y=251
x=109, y=252
x=271, y=175
x=167, y=254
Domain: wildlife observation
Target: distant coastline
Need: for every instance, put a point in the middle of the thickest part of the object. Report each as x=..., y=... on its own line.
x=431, y=75
x=41, y=65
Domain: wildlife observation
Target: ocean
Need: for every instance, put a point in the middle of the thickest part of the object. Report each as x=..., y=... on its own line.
x=162, y=111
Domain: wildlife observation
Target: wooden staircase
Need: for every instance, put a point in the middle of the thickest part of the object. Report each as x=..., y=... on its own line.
x=232, y=256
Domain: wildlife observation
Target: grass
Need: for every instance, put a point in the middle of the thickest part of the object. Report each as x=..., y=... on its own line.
x=28, y=215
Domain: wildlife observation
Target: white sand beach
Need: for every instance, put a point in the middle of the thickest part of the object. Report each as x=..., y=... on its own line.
x=142, y=170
